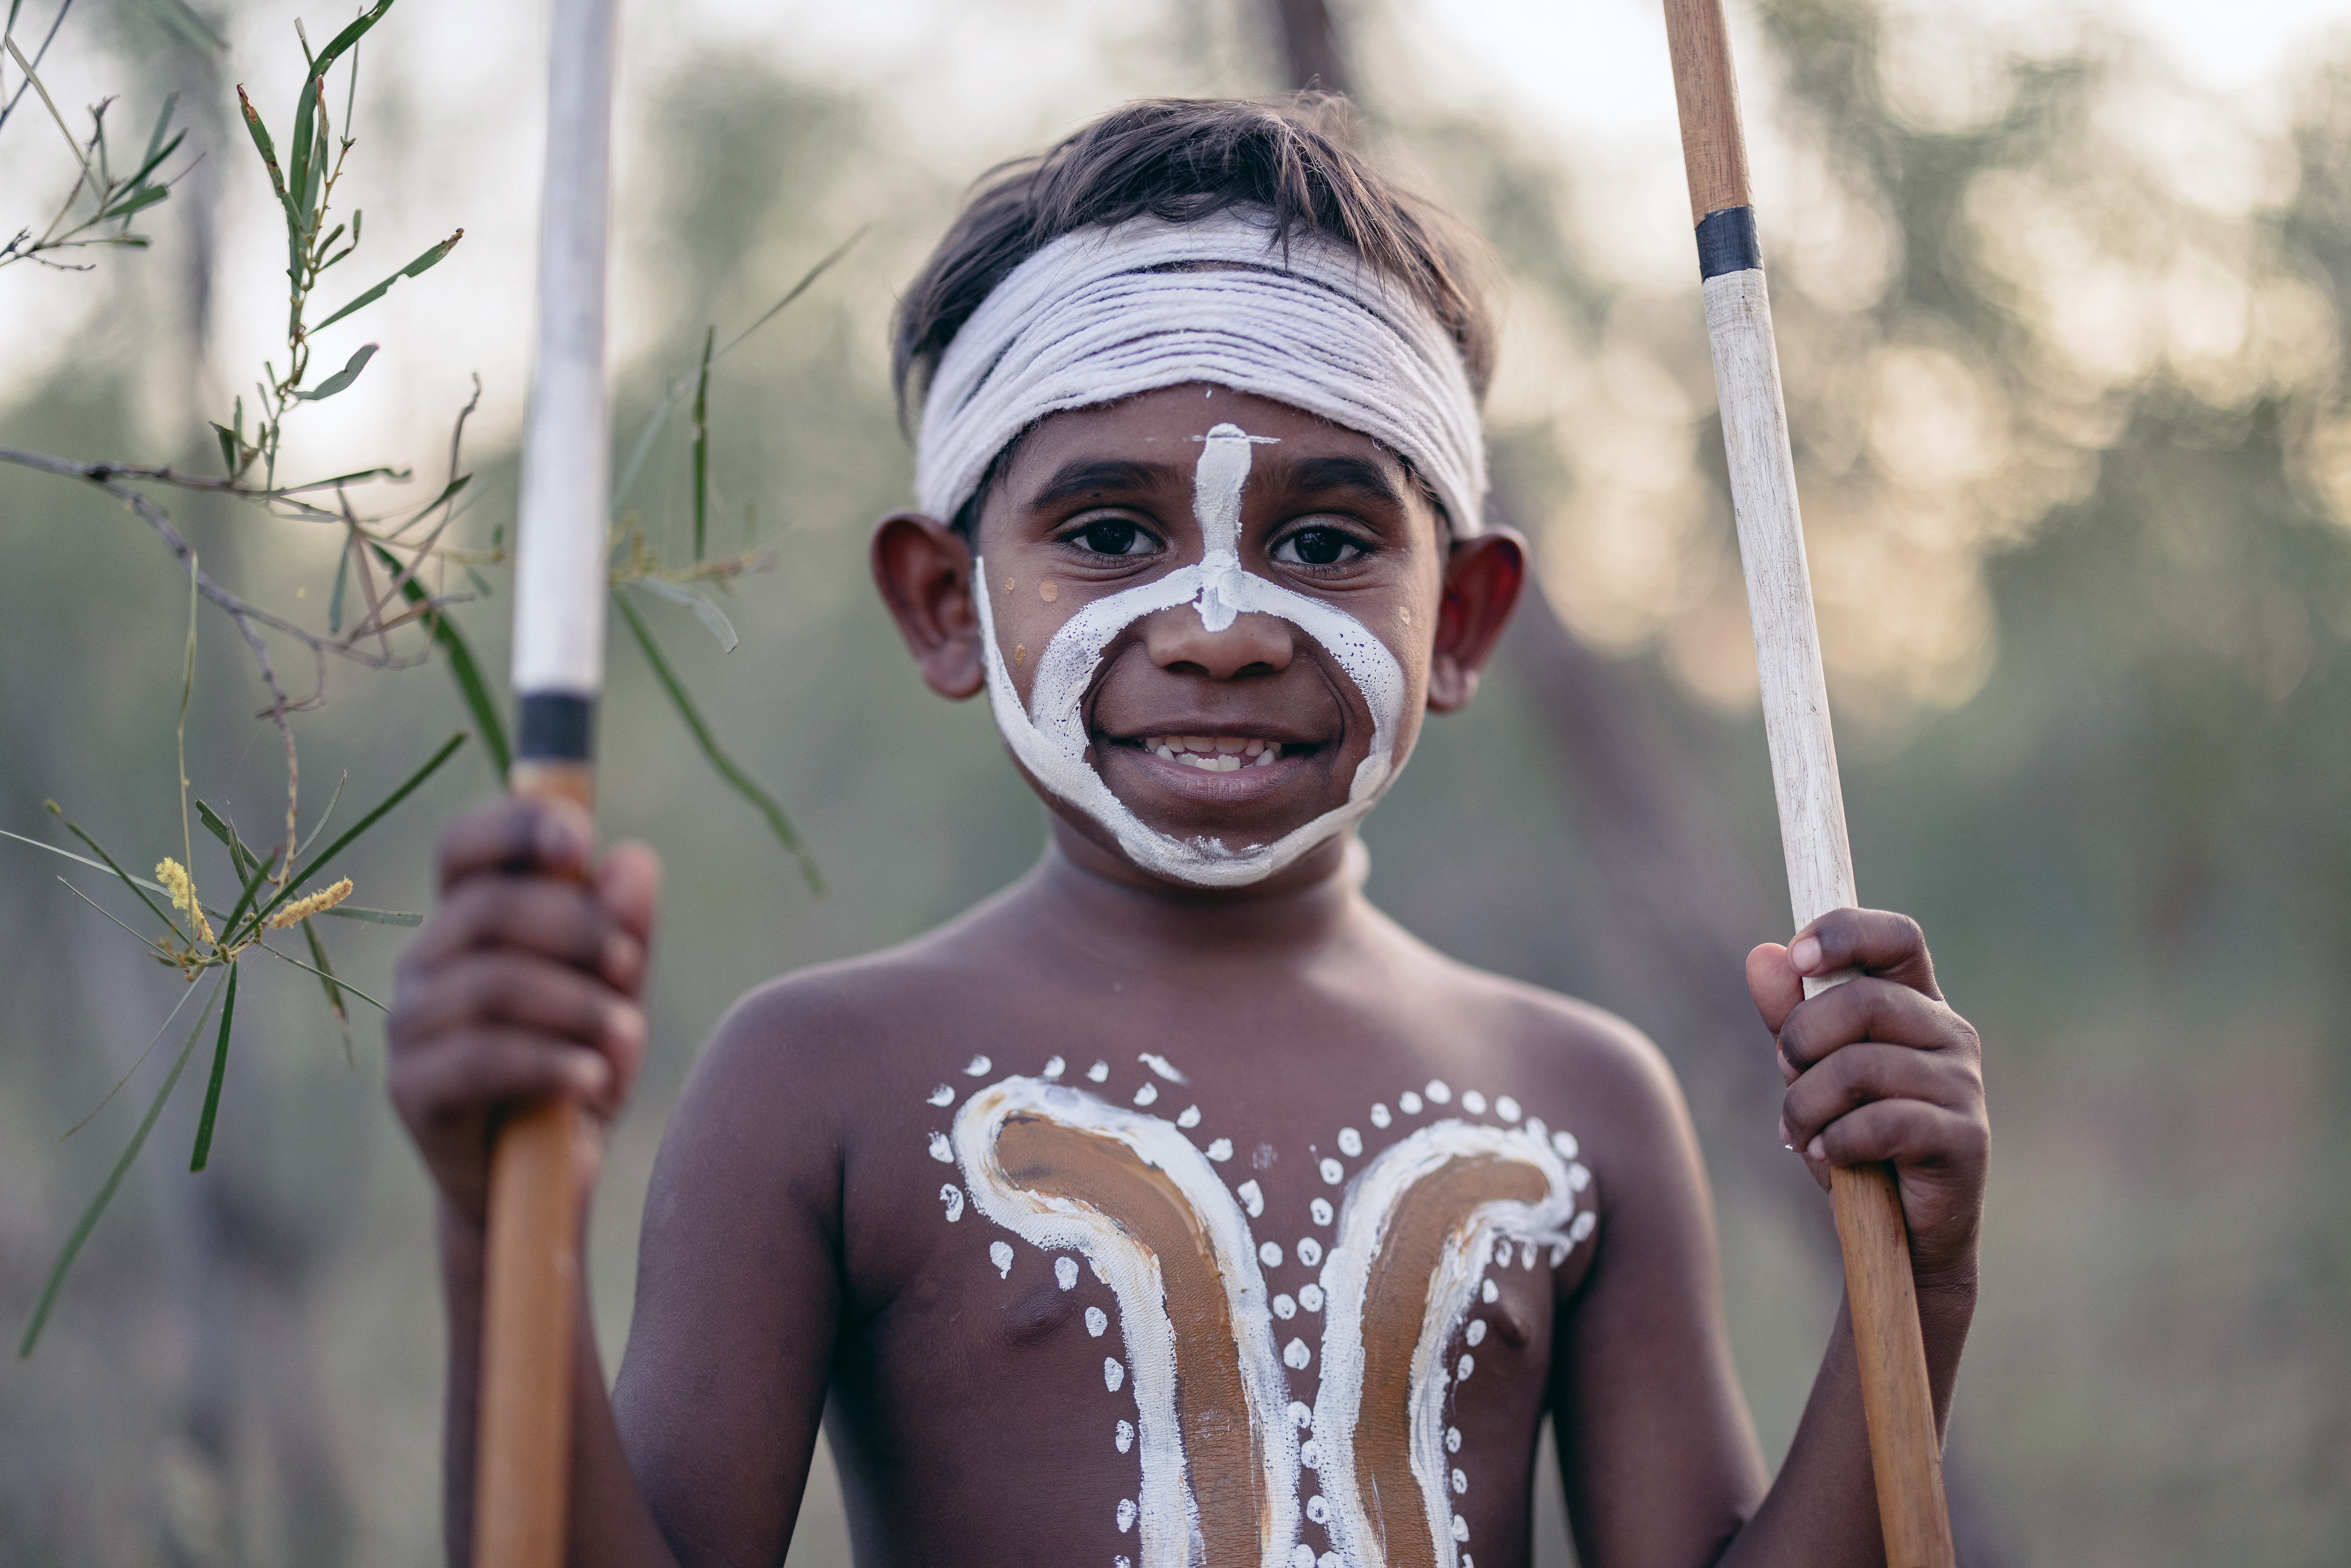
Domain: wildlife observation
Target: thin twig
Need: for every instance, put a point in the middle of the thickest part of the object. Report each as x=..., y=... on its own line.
x=247, y=615
x=39, y=56
x=64, y=129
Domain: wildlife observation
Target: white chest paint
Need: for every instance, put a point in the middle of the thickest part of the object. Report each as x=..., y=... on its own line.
x=1410, y=1229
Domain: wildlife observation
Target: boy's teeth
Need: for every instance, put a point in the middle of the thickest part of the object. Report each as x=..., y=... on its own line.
x=1214, y=753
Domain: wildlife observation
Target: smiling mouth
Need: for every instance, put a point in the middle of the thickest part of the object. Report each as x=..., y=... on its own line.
x=1216, y=753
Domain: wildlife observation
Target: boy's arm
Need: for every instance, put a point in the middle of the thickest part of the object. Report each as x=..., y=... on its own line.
x=738, y=1299
x=525, y=984
x=1654, y=1441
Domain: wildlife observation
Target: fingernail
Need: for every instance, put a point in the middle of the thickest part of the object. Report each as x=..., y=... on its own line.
x=591, y=1074
x=558, y=838
x=1783, y=1135
x=1805, y=955
x=1817, y=1149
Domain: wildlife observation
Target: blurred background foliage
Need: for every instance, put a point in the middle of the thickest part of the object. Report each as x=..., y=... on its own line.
x=2064, y=339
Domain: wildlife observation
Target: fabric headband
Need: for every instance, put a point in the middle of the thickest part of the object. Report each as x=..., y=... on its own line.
x=1106, y=313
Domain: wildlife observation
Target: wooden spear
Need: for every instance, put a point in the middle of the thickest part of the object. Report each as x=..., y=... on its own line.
x=1905, y=1450
x=532, y=1278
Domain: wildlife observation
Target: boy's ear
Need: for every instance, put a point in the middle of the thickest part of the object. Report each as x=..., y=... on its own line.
x=1482, y=579
x=923, y=570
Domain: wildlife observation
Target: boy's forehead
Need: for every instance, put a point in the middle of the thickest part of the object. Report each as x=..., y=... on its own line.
x=1157, y=435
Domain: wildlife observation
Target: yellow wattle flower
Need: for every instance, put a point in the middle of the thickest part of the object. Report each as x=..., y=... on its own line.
x=182, y=888
x=319, y=903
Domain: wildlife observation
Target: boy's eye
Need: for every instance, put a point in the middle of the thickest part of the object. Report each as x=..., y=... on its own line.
x=1318, y=546
x=1111, y=536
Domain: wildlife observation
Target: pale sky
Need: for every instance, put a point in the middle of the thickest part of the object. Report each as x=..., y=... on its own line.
x=968, y=82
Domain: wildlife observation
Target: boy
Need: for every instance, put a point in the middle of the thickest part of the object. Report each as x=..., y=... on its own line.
x=1174, y=1207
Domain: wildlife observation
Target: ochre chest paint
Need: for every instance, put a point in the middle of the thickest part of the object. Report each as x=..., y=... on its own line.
x=1234, y=1467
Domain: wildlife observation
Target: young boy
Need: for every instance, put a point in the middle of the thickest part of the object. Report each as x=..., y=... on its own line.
x=1174, y=1207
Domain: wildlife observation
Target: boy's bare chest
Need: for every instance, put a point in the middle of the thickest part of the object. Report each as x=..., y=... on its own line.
x=1298, y=1296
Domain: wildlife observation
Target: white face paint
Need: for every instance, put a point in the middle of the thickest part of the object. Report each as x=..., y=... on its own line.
x=1048, y=734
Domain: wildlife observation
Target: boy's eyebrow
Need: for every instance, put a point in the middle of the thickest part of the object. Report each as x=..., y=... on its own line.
x=1087, y=476
x=1317, y=475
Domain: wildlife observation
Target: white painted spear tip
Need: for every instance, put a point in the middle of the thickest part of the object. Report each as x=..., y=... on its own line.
x=559, y=574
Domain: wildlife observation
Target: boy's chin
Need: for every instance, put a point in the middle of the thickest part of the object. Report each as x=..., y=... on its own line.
x=1242, y=812
x=1243, y=807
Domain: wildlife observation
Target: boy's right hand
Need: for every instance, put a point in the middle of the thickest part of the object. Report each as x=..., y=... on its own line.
x=523, y=984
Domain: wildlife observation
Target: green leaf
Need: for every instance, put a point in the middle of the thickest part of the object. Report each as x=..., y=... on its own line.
x=301, y=172
x=797, y=289
x=287, y=958
x=228, y=938
x=313, y=86
x=126, y=877
x=481, y=584
x=309, y=873
x=268, y=150
x=182, y=18
x=373, y=917
x=342, y=378
x=139, y=882
x=108, y=1098
x=702, y=452
x=654, y=422
x=154, y=158
x=98, y=135
x=89, y=1216
x=326, y=816
x=742, y=783
x=335, y=600
x=350, y=36
x=447, y=492
x=219, y=1072
x=353, y=477
x=228, y=448
x=155, y=138
x=327, y=982
x=424, y=262
x=703, y=608
x=242, y=858
x=138, y=200
x=463, y=669
x=78, y=860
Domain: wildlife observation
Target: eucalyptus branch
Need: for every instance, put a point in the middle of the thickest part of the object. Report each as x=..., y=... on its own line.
x=112, y=200
x=107, y=477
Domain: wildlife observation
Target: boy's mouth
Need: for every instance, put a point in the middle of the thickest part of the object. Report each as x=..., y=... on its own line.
x=1214, y=753
x=1207, y=769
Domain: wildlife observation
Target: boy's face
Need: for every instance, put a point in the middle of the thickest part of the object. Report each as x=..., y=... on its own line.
x=1241, y=726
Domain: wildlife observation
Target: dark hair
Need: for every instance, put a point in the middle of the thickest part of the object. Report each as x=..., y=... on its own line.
x=1182, y=159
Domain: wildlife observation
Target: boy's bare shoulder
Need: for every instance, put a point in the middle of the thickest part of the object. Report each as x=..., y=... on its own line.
x=834, y=1032
x=1614, y=1068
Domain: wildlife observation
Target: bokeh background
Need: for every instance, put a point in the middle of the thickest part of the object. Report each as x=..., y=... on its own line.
x=2061, y=296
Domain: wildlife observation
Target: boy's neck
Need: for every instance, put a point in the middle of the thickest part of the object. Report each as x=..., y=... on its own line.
x=1109, y=905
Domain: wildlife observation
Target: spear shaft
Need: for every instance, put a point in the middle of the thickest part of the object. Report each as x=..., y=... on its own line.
x=532, y=1275
x=1906, y=1453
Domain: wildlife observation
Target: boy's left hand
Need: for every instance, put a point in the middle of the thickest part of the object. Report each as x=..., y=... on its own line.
x=1880, y=1068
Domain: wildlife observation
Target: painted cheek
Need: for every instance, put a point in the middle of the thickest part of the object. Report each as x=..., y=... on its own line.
x=1027, y=621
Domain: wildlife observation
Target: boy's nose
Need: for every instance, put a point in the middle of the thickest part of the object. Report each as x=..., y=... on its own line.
x=1252, y=644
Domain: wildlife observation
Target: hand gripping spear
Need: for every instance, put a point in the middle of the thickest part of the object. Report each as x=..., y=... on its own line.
x=532, y=1279
x=1905, y=1451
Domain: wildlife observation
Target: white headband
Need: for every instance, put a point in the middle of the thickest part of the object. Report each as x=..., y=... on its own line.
x=1097, y=316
